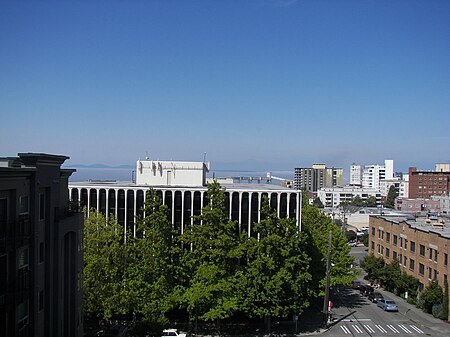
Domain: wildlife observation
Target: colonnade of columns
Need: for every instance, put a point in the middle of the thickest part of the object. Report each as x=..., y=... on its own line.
x=243, y=206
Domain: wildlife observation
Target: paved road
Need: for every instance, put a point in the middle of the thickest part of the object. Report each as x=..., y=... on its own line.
x=355, y=315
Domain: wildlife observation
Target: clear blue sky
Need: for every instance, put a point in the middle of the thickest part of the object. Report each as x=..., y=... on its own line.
x=256, y=84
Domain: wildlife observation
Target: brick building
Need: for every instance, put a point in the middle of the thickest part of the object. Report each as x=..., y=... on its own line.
x=424, y=184
x=422, y=246
x=40, y=249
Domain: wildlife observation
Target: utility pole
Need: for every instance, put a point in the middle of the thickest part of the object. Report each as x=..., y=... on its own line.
x=327, y=285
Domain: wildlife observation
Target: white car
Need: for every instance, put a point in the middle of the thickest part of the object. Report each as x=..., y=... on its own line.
x=172, y=333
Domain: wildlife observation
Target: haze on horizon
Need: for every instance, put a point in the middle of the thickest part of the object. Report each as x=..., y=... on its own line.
x=258, y=84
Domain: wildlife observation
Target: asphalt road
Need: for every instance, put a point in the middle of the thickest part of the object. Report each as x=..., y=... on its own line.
x=355, y=315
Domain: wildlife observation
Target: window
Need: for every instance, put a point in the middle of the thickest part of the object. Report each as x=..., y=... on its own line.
x=388, y=237
x=430, y=273
x=23, y=205
x=395, y=240
x=394, y=255
x=422, y=250
x=41, y=206
x=3, y=216
x=421, y=269
x=411, y=264
x=23, y=258
x=412, y=247
x=41, y=300
x=373, y=231
x=435, y=275
x=404, y=261
x=41, y=252
x=387, y=252
x=445, y=259
x=406, y=244
x=431, y=253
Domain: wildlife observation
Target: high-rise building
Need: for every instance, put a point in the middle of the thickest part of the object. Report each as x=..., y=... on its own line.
x=373, y=174
x=316, y=177
x=40, y=249
x=356, y=172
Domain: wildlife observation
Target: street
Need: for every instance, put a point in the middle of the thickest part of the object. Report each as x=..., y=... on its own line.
x=354, y=315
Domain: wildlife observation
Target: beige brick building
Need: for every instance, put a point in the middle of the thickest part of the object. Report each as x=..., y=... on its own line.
x=422, y=246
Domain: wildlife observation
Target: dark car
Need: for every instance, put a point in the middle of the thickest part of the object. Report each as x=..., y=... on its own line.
x=366, y=290
x=357, y=285
x=375, y=297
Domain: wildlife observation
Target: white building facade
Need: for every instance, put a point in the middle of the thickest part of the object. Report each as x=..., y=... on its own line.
x=182, y=187
x=334, y=196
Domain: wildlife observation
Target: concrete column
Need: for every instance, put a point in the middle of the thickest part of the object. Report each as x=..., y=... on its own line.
x=288, y=199
x=98, y=200
x=135, y=213
x=173, y=207
x=116, y=212
x=107, y=204
x=182, y=212
x=278, y=203
x=125, y=215
x=88, y=201
x=249, y=226
x=192, y=208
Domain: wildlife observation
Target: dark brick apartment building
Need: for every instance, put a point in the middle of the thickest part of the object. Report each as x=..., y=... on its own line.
x=40, y=249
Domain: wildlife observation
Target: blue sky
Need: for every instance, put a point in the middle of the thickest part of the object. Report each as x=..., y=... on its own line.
x=256, y=84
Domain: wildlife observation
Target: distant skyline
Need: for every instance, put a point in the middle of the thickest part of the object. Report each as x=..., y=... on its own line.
x=256, y=84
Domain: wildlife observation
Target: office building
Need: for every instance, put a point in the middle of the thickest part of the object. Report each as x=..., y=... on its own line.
x=40, y=249
x=334, y=196
x=424, y=184
x=318, y=176
x=374, y=174
x=356, y=173
x=182, y=186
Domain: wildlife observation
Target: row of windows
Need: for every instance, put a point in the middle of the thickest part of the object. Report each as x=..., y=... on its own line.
x=433, y=254
x=432, y=273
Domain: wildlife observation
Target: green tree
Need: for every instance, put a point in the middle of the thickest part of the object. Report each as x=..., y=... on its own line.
x=150, y=284
x=371, y=201
x=390, y=199
x=276, y=280
x=431, y=295
x=317, y=226
x=211, y=259
x=318, y=203
x=104, y=267
x=444, y=313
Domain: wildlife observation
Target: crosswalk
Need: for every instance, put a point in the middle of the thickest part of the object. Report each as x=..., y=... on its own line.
x=362, y=327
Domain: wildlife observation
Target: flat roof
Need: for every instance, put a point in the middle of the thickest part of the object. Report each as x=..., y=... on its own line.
x=231, y=187
x=423, y=224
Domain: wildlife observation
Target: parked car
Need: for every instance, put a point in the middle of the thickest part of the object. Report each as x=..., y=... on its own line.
x=357, y=285
x=387, y=305
x=375, y=297
x=366, y=290
x=172, y=333
x=352, y=243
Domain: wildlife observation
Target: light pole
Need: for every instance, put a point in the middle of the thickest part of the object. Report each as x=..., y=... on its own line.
x=327, y=284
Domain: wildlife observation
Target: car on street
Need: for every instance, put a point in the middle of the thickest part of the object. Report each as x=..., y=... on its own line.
x=366, y=290
x=375, y=297
x=172, y=333
x=387, y=305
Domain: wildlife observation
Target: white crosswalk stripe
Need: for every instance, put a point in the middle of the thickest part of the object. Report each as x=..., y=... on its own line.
x=394, y=330
x=380, y=328
x=416, y=328
x=404, y=328
x=345, y=329
x=357, y=328
x=369, y=328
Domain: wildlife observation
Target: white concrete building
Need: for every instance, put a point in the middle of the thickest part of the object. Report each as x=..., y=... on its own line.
x=182, y=187
x=356, y=173
x=373, y=174
x=444, y=203
x=334, y=196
